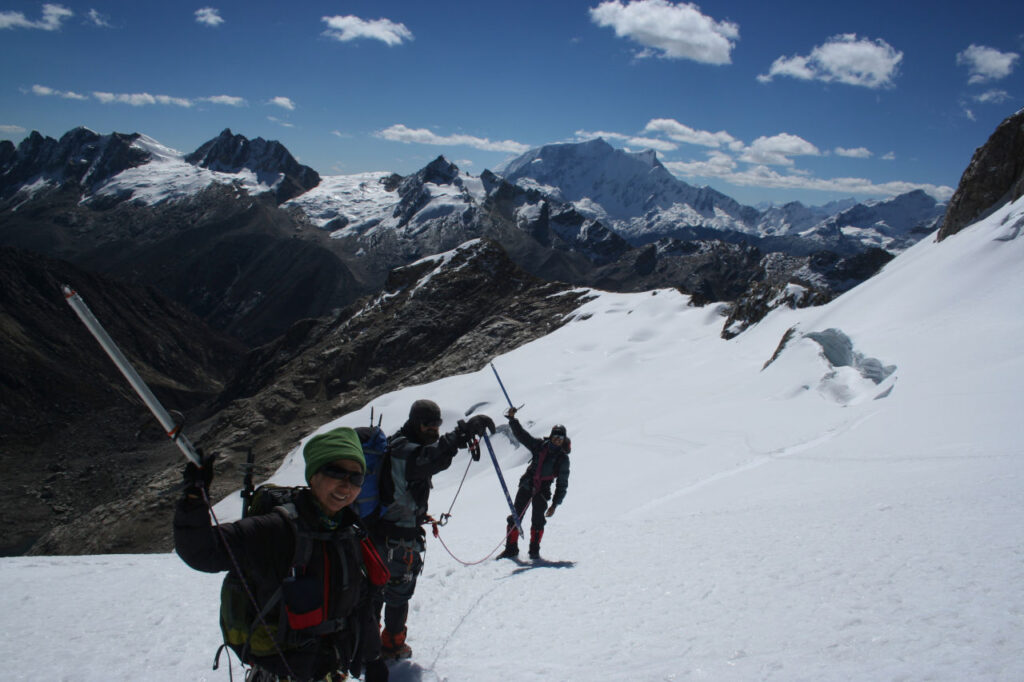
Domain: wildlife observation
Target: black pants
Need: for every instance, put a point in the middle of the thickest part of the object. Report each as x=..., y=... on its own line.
x=540, y=505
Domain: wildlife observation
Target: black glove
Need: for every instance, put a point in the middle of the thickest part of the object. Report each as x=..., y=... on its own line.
x=510, y=413
x=376, y=671
x=196, y=480
x=479, y=425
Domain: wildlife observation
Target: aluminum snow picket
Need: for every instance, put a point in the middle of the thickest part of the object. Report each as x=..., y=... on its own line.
x=501, y=479
x=96, y=329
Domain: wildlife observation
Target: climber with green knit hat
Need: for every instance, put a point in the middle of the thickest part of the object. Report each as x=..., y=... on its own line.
x=323, y=638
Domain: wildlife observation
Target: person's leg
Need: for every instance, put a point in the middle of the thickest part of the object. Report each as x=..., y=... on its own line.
x=511, y=532
x=405, y=561
x=537, y=523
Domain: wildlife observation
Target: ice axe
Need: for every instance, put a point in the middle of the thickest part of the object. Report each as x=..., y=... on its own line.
x=171, y=428
x=496, y=376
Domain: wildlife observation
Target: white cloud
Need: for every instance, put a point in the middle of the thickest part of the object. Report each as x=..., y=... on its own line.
x=209, y=16
x=669, y=30
x=629, y=140
x=854, y=153
x=44, y=91
x=283, y=102
x=762, y=176
x=98, y=19
x=889, y=156
x=401, y=133
x=346, y=28
x=141, y=99
x=718, y=165
x=53, y=16
x=842, y=59
x=776, y=150
x=11, y=129
x=683, y=133
x=280, y=122
x=227, y=100
x=986, y=63
x=992, y=97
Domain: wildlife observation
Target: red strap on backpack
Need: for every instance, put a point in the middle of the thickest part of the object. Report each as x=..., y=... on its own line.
x=376, y=570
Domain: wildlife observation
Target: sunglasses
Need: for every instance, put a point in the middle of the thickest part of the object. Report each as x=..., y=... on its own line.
x=436, y=424
x=353, y=477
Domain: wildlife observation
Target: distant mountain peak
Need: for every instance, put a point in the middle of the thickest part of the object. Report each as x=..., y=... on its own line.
x=80, y=157
x=632, y=192
x=272, y=163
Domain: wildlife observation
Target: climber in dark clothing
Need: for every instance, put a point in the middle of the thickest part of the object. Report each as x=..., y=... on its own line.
x=418, y=451
x=319, y=621
x=550, y=462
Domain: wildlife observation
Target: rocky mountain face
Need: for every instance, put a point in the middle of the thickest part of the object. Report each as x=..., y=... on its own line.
x=273, y=165
x=69, y=423
x=80, y=158
x=240, y=263
x=440, y=316
x=994, y=177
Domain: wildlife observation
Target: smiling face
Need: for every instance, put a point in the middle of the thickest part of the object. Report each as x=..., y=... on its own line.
x=337, y=485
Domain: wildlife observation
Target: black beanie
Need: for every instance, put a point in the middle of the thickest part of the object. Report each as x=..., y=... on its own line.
x=424, y=412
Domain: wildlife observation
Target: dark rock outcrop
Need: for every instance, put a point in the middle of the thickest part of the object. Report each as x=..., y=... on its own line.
x=994, y=177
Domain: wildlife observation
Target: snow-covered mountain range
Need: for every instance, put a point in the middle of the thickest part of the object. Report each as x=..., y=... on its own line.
x=630, y=193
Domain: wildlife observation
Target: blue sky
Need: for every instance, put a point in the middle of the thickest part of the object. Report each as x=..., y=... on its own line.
x=779, y=101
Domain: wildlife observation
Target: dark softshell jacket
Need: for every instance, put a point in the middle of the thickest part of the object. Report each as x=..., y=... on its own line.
x=549, y=463
x=264, y=546
x=413, y=465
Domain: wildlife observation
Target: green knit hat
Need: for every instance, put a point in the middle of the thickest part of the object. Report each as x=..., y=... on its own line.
x=340, y=443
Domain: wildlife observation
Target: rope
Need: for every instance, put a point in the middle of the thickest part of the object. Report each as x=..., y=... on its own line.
x=437, y=534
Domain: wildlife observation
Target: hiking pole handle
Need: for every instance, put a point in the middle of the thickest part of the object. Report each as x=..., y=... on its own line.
x=496, y=376
x=172, y=429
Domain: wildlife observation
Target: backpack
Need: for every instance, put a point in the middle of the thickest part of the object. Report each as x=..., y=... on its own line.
x=294, y=613
x=378, y=487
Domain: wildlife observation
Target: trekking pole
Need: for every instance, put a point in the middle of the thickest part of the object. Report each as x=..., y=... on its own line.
x=172, y=429
x=501, y=479
x=495, y=369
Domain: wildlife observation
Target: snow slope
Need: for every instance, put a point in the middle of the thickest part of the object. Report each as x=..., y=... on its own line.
x=852, y=519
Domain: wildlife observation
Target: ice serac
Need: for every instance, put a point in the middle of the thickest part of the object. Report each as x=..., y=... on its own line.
x=270, y=161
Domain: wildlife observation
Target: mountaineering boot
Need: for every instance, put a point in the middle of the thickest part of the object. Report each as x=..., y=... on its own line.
x=511, y=551
x=393, y=646
x=511, y=545
x=535, y=536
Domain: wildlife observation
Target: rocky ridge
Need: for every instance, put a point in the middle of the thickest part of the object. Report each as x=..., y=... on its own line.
x=437, y=317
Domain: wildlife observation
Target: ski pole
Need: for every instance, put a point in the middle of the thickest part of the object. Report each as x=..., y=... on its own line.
x=501, y=479
x=100, y=334
x=503, y=389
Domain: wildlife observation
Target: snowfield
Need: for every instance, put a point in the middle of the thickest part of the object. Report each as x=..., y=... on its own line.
x=852, y=514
